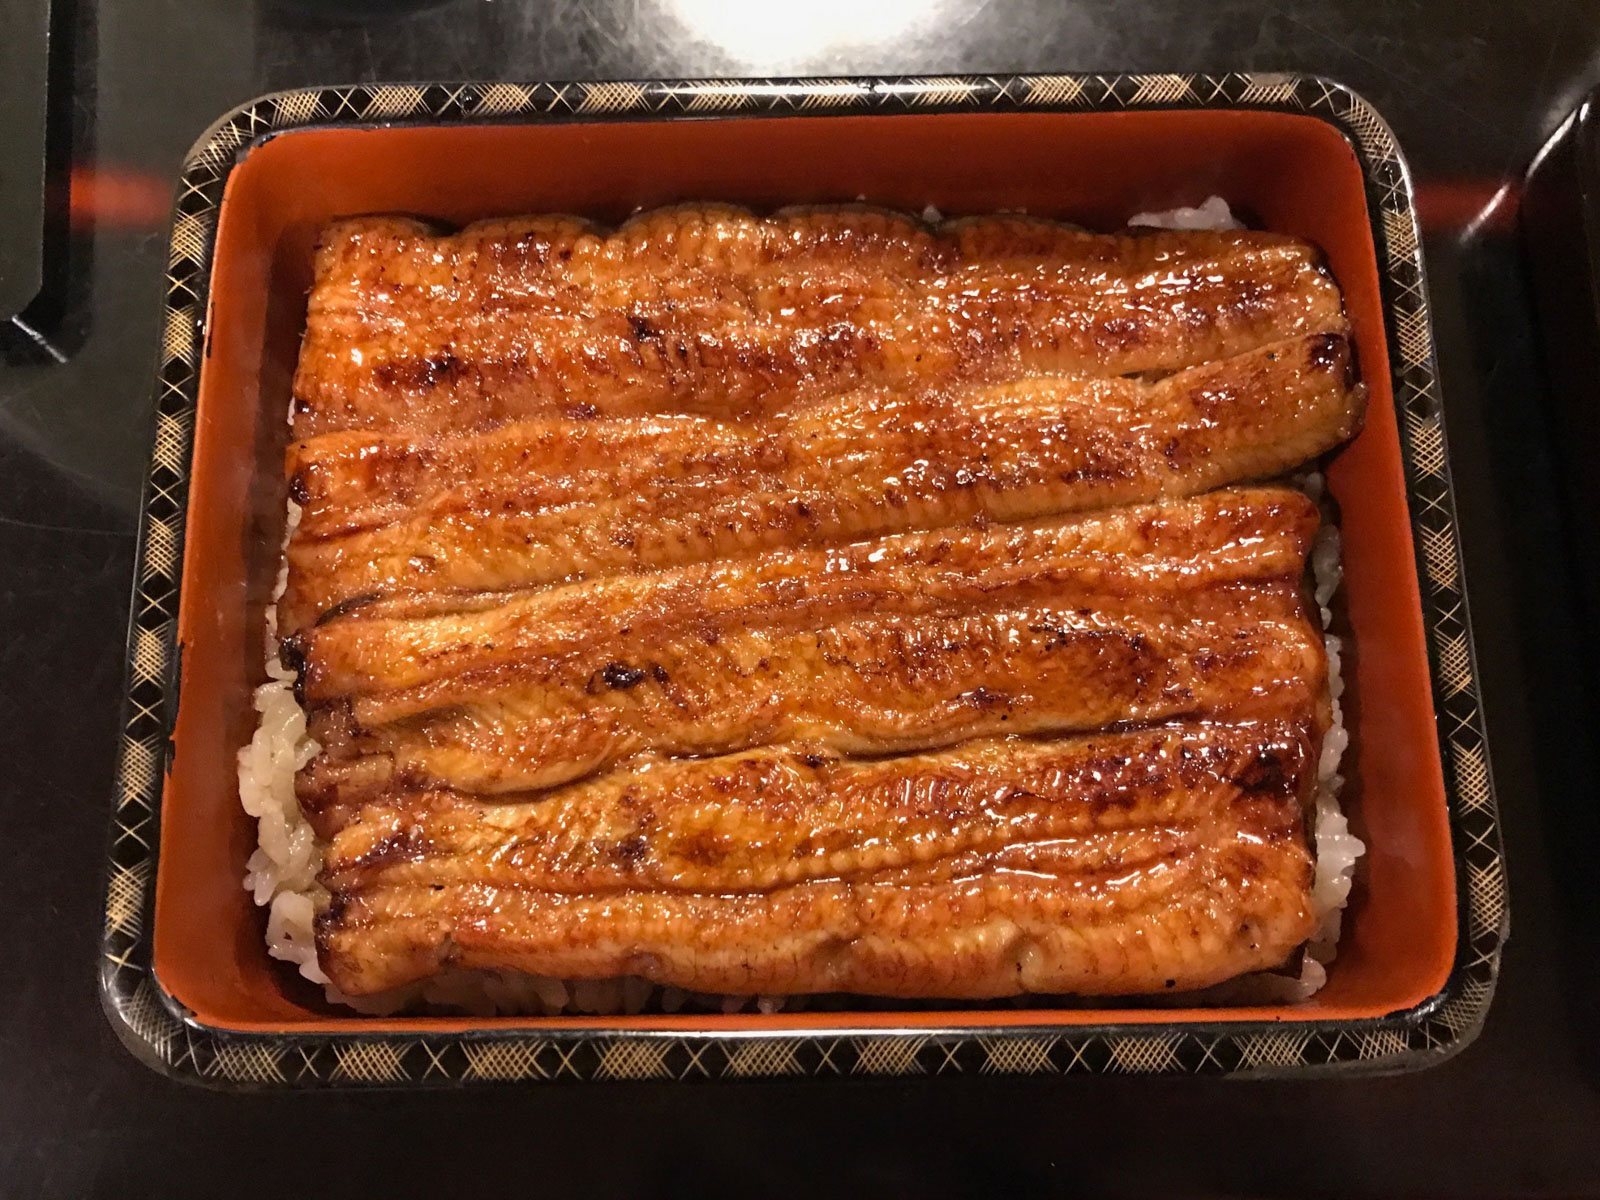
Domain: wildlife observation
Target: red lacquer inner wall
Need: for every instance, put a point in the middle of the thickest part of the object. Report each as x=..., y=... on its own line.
x=1288, y=173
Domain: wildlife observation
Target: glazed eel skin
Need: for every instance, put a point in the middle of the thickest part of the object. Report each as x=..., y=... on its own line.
x=713, y=311
x=1139, y=861
x=811, y=603
x=541, y=500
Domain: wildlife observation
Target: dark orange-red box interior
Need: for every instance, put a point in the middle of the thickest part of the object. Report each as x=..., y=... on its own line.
x=1290, y=173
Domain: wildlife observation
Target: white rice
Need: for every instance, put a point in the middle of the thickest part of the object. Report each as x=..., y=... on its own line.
x=1214, y=213
x=1336, y=848
x=282, y=873
x=283, y=870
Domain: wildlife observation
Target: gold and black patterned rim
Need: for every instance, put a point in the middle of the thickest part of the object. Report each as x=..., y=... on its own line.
x=162, y=1033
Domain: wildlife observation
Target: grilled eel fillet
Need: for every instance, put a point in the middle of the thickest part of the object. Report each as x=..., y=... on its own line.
x=712, y=311
x=546, y=499
x=1102, y=862
x=823, y=502
x=908, y=642
x=1137, y=861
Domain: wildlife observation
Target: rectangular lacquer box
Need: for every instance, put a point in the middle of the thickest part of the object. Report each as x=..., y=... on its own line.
x=186, y=978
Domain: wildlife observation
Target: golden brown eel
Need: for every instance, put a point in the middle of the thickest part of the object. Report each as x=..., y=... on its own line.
x=907, y=642
x=713, y=311
x=815, y=602
x=545, y=500
x=1172, y=857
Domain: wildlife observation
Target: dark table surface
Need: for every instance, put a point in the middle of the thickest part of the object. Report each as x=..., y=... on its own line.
x=1472, y=87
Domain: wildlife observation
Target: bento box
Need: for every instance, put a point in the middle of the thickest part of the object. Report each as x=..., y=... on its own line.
x=185, y=977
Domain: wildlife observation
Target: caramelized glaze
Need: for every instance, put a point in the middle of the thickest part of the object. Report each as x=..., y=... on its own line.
x=710, y=310
x=542, y=500
x=811, y=603
x=1139, y=861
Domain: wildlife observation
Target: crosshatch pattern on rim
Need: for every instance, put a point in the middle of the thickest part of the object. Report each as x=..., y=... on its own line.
x=160, y=1033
